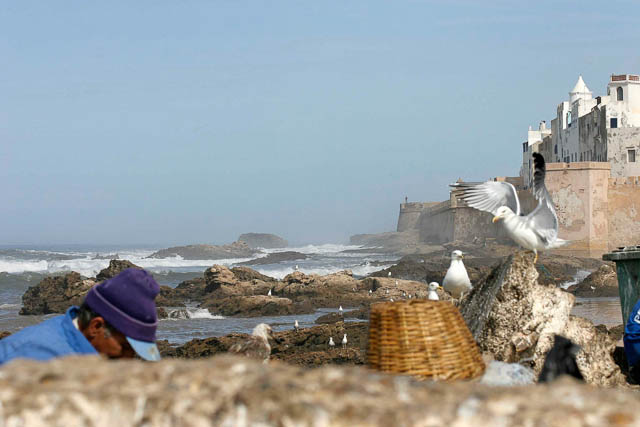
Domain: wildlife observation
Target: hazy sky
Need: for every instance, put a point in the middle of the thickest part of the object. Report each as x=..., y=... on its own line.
x=175, y=122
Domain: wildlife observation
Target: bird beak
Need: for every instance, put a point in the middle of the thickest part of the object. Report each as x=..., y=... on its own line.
x=495, y=219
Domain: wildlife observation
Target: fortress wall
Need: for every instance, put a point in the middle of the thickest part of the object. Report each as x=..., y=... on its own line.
x=624, y=211
x=579, y=191
x=410, y=214
x=437, y=225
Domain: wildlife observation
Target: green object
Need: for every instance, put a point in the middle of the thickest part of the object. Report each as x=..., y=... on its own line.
x=628, y=269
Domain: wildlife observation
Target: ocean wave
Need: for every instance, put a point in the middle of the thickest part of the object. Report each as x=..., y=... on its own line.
x=8, y=306
x=327, y=248
x=191, y=313
x=89, y=267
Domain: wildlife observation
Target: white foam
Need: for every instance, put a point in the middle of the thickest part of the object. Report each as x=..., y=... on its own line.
x=13, y=267
x=6, y=306
x=89, y=267
x=577, y=278
x=327, y=248
x=192, y=313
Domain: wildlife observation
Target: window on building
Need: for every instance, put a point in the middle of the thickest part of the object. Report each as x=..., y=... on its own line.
x=524, y=147
x=619, y=94
x=614, y=122
x=555, y=149
x=631, y=156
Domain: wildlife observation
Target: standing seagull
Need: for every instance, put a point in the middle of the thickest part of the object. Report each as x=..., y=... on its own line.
x=456, y=281
x=536, y=231
x=389, y=275
x=331, y=343
x=296, y=326
x=269, y=293
x=340, y=310
x=344, y=341
x=257, y=345
x=296, y=267
x=433, y=295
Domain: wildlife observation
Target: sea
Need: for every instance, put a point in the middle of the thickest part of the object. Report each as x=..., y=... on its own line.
x=25, y=266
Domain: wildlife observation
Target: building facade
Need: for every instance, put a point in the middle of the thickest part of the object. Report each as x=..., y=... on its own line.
x=587, y=129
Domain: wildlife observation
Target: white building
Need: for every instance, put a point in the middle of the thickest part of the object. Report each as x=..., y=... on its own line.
x=605, y=128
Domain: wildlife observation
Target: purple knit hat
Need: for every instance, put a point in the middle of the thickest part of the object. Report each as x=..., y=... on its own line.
x=127, y=302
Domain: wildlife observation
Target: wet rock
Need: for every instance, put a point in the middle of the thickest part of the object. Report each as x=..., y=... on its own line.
x=193, y=289
x=235, y=391
x=4, y=334
x=233, y=250
x=246, y=274
x=55, y=294
x=114, y=268
x=169, y=297
x=263, y=240
x=601, y=283
x=306, y=347
x=275, y=258
x=254, y=305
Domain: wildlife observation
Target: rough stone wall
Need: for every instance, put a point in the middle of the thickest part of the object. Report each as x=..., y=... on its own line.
x=624, y=212
x=437, y=225
x=579, y=191
x=618, y=142
x=234, y=391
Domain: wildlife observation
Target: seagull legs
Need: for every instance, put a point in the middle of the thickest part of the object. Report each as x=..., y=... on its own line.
x=536, y=257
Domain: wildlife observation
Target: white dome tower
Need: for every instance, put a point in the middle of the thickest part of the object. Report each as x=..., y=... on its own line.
x=580, y=91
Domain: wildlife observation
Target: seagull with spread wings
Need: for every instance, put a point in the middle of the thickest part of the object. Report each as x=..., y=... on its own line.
x=536, y=231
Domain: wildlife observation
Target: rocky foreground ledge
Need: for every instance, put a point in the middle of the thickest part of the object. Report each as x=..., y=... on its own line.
x=233, y=391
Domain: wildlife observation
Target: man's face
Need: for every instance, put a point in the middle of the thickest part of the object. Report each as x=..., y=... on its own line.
x=110, y=343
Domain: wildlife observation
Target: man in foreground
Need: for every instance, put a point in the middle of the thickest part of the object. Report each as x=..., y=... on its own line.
x=117, y=319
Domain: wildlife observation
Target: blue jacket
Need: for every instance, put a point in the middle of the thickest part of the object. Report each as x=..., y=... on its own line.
x=631, y=336
x=54, y=337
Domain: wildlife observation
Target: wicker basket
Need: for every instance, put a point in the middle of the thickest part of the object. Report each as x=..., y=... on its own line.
x=427, y=339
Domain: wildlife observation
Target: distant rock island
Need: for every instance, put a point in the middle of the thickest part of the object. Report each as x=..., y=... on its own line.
x=263, y=240
x=233, y=250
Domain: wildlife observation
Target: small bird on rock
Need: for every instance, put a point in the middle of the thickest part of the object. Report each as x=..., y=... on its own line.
x=456, y=281
x=433, y=295
x=389, y=275
x=340, y=310
x=296, y=326
x=269, y=293
x=386, y=291
x=344, y=341
x=257, y=345
x=296, y=267
x=331, y=343
x=370, y=291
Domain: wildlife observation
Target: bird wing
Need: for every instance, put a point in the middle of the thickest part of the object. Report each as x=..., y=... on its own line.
x=489, y=196
x=543, y=219
x=253, y=347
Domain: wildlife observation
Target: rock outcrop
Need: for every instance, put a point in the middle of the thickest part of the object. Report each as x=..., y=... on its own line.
x=55, y=294
x=306, y=347
x=233, y=250
x=514, y=319
x=235, y=391
x=601, y=283
x=114, y=268
x=263, y=240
